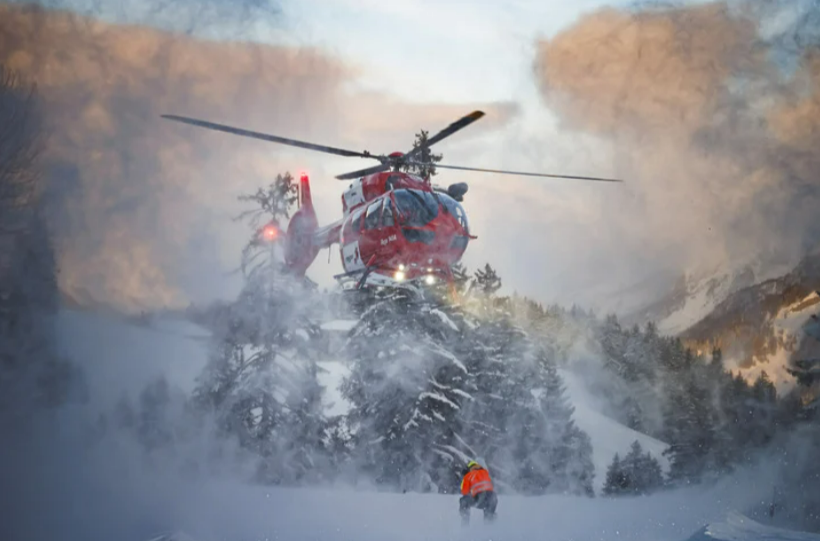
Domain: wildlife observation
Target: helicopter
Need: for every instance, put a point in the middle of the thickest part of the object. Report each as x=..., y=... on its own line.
x=397, y=229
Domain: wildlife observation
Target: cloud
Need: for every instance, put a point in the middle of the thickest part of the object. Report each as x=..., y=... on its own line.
x=716, y=145
x=142, y=206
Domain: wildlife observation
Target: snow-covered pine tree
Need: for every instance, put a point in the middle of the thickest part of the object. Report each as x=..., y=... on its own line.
x=690, y=428
x=261, y=378
x=615, y=481
x=637, y=473
x=503, y=422
x=520, y=419
x=407, y=387
x=461, y=278
x=570, y=450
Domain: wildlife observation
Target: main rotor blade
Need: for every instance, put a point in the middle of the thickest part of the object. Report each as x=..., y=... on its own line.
x=267, y=137
x=437, y=165
x=448, y=131
x=363, y=172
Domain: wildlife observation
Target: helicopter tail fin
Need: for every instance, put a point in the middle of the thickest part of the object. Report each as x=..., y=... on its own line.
x=300, y=250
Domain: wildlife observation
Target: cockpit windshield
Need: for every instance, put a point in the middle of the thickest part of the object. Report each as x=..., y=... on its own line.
x=417, y=208
x=455, y=208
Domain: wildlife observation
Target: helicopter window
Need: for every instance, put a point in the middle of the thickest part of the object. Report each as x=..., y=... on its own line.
x=387, y=213
x=417, y=208
x=352, y=226
x=371, y=221
x=456, y=210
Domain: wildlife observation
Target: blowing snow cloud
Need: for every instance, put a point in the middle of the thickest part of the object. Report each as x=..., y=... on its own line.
x=715, y=137
x=142, y=207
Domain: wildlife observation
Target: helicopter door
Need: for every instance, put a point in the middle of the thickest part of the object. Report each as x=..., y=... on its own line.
x=370, y=240
x=351, y=235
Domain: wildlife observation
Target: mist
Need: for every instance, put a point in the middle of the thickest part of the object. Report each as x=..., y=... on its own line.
x=142, y=206
x=708, y=113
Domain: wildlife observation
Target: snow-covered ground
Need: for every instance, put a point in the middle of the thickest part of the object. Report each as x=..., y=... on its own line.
x=737, y=527
x=121, y=499
x=608, y=436
x=119, y=356
x=337, y=515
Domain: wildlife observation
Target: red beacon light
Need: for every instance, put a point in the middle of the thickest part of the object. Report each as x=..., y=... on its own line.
x=270, y=232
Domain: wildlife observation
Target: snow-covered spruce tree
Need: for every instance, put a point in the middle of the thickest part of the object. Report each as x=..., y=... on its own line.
x=407, y=387
x=520, y=420
x=570, y=454
x=637, y=473
x=690, y=429
x=261, y=378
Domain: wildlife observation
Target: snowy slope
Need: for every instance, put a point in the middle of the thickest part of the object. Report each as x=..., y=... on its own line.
x=121, y=357
x=234, y=513
x=608, y=436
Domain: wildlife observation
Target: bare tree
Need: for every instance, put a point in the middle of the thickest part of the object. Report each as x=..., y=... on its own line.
x=20, y=146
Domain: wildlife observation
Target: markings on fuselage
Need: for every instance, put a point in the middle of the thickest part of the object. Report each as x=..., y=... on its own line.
x=352, y=257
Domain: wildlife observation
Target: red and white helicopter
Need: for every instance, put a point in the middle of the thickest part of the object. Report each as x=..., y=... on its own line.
x=397, y=229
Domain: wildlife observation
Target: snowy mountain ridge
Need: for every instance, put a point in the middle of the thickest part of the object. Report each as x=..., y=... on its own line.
x=763, y=326
x=699, y=291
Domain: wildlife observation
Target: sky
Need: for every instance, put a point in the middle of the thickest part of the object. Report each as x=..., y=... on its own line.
x=424, y=50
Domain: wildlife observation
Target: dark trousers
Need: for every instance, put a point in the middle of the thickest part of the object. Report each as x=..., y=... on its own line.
x=486, y=501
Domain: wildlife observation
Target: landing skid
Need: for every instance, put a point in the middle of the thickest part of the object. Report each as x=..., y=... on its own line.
x=367, y=279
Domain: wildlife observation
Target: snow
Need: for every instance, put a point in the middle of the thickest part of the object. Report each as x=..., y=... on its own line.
x=444, y=319
x=331, y=377
x=708, y=286
x=608, y=436
x=789, y=328
x=737, y=527
x=122, y=498
x=238, y=513
x=124, y=357
x=440, y=398
x=339, y=325
x=791, y=319
x=120, y=357
x=699, y=303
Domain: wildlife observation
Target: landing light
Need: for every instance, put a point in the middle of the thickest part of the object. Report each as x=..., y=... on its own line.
x=401, y=267
x=430, y=279
x=399, y=276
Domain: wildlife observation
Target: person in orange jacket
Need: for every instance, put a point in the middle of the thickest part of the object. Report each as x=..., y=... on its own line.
x=477, y=491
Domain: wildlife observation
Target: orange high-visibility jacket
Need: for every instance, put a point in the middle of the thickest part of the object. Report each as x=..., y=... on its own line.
x=476, y=481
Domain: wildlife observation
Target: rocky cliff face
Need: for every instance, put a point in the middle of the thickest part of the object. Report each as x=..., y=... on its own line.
x=760, y=324
x=765, y=326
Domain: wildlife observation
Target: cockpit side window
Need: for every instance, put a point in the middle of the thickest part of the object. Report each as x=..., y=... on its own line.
x=374, y=211
x=387, y=213
x=417, y=208
x=456, y=210
x=353, y=226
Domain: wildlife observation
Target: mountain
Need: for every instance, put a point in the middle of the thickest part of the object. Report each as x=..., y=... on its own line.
x=695, y=294
x=763, y=326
